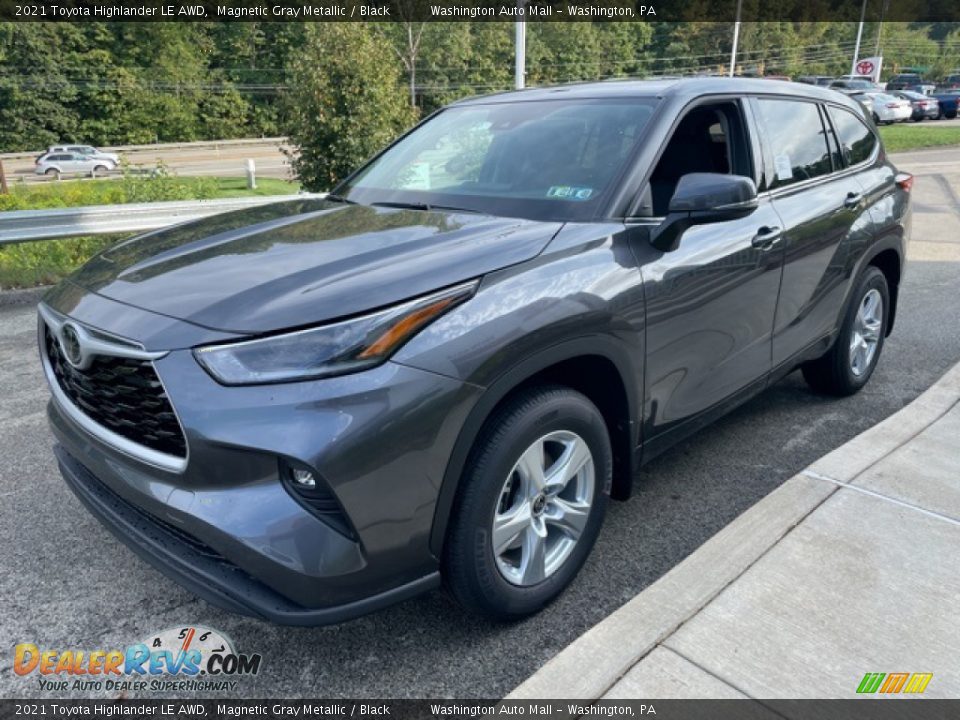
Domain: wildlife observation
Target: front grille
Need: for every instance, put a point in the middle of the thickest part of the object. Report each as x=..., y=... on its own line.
x=123, y=395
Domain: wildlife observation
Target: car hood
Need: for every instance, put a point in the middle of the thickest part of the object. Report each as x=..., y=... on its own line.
x=305, y=261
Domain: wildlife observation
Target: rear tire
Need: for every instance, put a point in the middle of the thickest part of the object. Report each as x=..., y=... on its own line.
x=52, y=173
x=543, y=532
x=848, y=365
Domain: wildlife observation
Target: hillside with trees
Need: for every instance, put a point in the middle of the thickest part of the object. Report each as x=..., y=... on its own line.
x=125, y=83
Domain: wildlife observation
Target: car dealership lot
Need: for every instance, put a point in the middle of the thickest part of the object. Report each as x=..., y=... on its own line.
x=70, y=585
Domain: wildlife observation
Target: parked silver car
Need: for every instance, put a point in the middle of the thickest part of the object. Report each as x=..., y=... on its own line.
x=884, y=108
x=88, y=150
x=66, y=163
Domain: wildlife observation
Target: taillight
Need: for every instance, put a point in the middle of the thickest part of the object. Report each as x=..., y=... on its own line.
x=904, y=181
x=893, y=105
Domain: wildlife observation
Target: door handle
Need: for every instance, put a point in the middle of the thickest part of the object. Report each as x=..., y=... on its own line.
x=766, y=237
x=852, y=200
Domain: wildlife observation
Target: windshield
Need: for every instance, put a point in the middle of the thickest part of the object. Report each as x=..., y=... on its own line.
x=544, y=160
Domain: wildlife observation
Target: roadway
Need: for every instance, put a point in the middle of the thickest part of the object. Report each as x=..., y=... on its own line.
x=222, y=159
x=68, y=584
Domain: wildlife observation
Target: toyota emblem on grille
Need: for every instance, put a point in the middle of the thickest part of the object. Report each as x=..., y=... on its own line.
x=70, y=342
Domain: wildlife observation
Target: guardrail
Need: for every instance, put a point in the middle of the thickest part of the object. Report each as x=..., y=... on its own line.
x=26, y=225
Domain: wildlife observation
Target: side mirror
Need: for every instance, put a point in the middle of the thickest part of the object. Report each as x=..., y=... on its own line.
x=703, y=198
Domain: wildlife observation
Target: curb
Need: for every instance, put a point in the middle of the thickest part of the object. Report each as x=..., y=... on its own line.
x=594, y=662
x=22, y=296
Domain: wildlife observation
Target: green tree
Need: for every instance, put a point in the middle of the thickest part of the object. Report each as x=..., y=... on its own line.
x=461, y=59
x=345, y=101
x=35, y=91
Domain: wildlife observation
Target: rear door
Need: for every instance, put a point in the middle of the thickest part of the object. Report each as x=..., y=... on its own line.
x=821, y=207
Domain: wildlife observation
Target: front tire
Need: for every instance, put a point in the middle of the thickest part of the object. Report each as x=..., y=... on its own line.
x=848, y=365
x=530, y=504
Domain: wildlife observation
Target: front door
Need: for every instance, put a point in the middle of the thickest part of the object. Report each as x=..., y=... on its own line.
x=710, y=303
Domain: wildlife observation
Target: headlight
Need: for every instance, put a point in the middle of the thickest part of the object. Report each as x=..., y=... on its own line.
x=334, y=349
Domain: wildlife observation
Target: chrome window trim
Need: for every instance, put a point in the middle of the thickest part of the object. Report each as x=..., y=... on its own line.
x=126, y=349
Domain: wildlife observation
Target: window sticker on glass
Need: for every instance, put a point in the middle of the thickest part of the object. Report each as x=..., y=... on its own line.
x=782, y=165
x=569, y=192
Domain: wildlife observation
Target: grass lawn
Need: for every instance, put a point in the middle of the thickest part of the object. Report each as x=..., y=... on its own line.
x=134, y=188
x=43, y=262
x=913, y=136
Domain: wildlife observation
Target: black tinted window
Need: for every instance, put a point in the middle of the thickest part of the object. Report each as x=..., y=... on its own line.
x=797, y=141
x=856, y=139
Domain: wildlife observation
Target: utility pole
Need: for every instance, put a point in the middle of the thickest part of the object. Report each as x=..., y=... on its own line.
x=856, y=49
x=736, y=39
x=520, y=50
x=883, y=11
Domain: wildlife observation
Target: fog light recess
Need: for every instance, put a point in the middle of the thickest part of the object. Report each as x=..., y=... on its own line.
x=310, y=489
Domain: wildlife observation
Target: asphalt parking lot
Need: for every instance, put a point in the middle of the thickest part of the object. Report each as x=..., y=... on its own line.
x=67, y=584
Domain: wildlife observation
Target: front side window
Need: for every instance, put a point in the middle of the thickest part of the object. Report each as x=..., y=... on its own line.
x=856, y=139
x=554, y=159
x=797, y=141
x=710, y=138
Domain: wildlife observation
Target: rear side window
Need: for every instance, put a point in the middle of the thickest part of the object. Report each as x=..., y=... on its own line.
x=798, y=141
x=857, y=141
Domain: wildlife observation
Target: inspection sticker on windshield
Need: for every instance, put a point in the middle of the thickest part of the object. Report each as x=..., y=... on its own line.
x=569, y=192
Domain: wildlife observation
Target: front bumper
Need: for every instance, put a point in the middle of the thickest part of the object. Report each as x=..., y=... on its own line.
x=205, y=572
x=228, y=526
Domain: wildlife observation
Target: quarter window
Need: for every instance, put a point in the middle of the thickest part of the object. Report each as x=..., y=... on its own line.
x=797, y=139
x=856, y=140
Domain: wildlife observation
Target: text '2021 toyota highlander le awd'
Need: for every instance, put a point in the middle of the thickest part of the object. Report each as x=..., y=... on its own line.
x=440, y=372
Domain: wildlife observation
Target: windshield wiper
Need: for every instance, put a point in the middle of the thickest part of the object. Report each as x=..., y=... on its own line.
x=421, y=206
x=339, y=199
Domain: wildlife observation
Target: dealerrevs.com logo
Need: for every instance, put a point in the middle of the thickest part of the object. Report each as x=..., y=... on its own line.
x=894, y=683
x=180, y=659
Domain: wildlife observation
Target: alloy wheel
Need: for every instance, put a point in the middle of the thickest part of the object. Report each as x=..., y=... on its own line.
x=865, y=337
x=543, y=508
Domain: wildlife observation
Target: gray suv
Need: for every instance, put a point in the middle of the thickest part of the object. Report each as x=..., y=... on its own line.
x=442, y=371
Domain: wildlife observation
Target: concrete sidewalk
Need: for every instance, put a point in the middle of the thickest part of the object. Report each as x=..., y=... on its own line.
x=852, y=566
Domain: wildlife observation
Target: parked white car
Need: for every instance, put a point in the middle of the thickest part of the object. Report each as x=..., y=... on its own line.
x=885, y=108
x=65, y=163
x=88, y=150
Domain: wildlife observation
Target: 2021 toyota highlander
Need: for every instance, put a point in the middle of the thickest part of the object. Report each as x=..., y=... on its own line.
x=442, y=370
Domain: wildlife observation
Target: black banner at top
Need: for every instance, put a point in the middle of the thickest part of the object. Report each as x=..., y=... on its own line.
x=478, y=10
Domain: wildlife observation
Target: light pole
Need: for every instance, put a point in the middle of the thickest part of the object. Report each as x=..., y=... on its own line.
x=736, y=39
x=883, y=11
x=520, y=50
x=856, y=49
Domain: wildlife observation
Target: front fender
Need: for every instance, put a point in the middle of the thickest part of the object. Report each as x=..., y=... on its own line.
x=578, y=302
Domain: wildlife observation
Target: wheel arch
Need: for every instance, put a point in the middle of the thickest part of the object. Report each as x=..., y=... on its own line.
x=889, y=262
x=596, y=366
